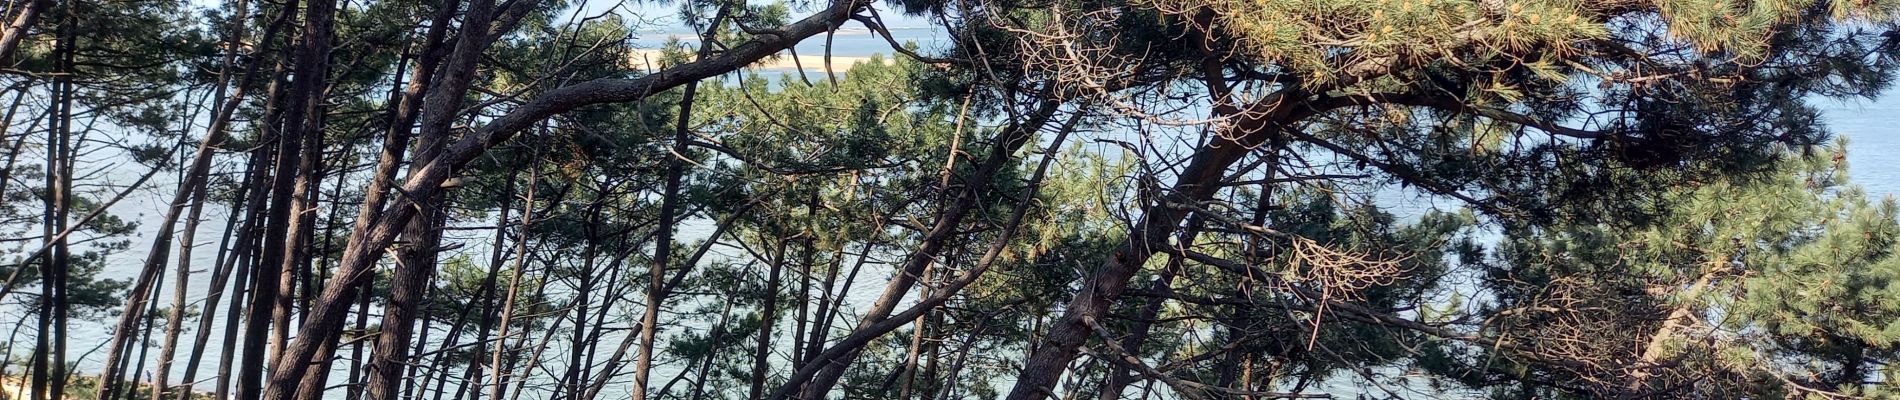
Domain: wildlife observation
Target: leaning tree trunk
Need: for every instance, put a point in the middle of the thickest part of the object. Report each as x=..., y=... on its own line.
x=16, y=30
x=417, y=260
x=946, y=227
x=309, y=71
x=244, y=256
x=1060, y=345
x=669, y=206
x=426, y=180
x=192, y=193
x=498, y=382
x=761, y=354
x=850, y=345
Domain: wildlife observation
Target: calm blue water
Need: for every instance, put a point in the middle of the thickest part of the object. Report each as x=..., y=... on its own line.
x=1873, y=151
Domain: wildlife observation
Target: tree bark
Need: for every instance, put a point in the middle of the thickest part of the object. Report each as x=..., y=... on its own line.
x=416, y=260
x=425, y=181
x=247, y=255
x=16, y=30
x=221, y=275
x=498, y=383
x=801, y=381
x=50, y=371
x=669, y=206
x=311, y=64
x=498, y=256
x=192, y=192
x=768, y=318
x=1056, y=349
x=946, y=226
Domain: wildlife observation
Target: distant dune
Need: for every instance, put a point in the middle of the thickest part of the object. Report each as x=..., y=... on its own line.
x=693, y=37
x=649, y=59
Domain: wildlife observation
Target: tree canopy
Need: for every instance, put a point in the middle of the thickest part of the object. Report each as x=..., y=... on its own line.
x=1193, y=199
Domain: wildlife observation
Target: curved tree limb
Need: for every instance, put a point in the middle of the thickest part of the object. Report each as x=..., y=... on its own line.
x=366, y=246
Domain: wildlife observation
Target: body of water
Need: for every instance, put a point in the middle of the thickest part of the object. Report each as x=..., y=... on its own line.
x=1873, y=156
x=1872, y=131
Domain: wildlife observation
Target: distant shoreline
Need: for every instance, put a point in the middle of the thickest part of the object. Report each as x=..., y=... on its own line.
x=648, y=59
x=689, y=35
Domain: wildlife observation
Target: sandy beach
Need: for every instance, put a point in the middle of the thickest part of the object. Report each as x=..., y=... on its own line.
x=648, y=59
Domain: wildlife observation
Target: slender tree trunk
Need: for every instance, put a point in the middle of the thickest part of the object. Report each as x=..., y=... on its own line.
x=273, y=127
x=133, y=315
x=316, y=381
x=409, y=379
x=829, y=303
x=292, y=183
x=808, y=261
x=295, y=275
x=801, y=313
x=405, y=108
x=50, y=373
x=223, y=266
x=1057, y=348
x=1118, y=374
x=705, y=362
x=498, y=256
x=956, y=364
x=1197, y=182
x=440, y=372
x=934, y=341
x=409, y=286
x=267, y=271
x=181, y=286
x=131, y=383
x=416, y=261
x=570, y=383
x=669, y=205
x=251, y=203
x=598, y=326
x=356, y=389
x=425, y=181
x=761, y=354
x=908, y=373
x=946, y=227
x=803, y=380
x=498, y=382
x=63, y=194
x=534, y=362
x=248, y=254
x=191, y=193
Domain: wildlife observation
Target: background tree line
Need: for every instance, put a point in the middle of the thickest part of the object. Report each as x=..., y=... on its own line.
x=459, y=199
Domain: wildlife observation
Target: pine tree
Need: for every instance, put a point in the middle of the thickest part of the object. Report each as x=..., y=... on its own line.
x=1761, y=287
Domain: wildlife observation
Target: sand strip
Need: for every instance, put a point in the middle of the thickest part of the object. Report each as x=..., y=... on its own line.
x=649, y=59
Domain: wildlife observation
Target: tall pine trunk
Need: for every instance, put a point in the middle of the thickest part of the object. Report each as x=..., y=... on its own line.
x=499, y=377
x=50, y=358
x=192, y=192
x=663, y=245
x=302, y=118
x=416, y=260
